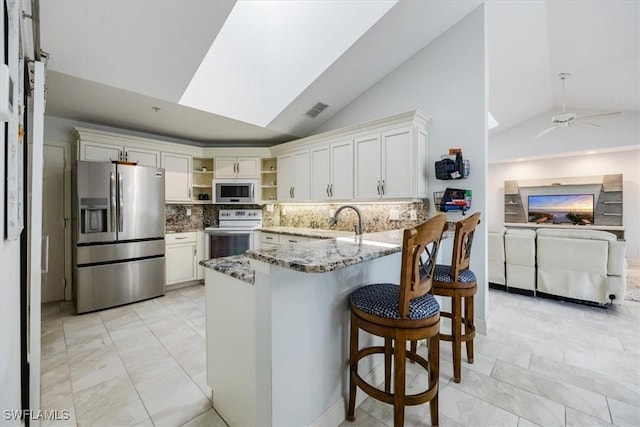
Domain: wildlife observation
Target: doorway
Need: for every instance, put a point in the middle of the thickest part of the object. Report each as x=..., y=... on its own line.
x=56, y=231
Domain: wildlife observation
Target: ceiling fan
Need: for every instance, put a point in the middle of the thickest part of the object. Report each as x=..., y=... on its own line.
x=566, y=119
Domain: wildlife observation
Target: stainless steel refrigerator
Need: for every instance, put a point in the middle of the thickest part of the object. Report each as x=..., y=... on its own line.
x=118, y=226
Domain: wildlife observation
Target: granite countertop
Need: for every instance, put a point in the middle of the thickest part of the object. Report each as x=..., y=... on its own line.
x=235, y=266
x=321, y=256
x=316, y=233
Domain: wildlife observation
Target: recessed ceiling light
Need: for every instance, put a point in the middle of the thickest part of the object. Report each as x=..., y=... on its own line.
x=519, y=160
x=591, y=152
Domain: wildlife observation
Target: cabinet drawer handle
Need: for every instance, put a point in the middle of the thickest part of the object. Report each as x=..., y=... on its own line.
x=180, y=238
x=293, y=241
x=269, y=238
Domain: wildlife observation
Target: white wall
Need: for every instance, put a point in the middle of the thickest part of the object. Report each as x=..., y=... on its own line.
x=447, y=81
x=624, y=162
x=9, y=263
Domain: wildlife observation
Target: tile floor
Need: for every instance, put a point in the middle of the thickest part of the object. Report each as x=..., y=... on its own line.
x=544, y=362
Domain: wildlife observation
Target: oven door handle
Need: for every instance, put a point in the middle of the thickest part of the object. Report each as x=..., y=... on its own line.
x=228, y=232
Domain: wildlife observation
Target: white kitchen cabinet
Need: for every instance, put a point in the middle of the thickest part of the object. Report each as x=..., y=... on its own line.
x=385, y=165
x=288, y=239
x=237, y=167
x=99, y=152
x=177, y=177
x=181, y=252
x=332, y=171
x=267, y=240
x=293, y=176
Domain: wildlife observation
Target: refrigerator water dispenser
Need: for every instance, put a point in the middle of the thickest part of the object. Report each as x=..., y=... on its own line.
x=93, y=213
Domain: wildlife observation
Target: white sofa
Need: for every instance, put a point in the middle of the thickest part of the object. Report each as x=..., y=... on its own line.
x=496, y=259
x=520, y=256
x=587, y=265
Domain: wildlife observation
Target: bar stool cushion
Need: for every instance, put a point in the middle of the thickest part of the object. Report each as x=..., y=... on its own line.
x=381, y=299
x=443, y=274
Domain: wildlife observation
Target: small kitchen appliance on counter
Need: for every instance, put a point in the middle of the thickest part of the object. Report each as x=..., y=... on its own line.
x=234, y=234
x=118, y=233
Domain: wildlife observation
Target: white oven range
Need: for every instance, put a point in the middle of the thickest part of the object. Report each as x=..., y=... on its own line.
x=234, y=234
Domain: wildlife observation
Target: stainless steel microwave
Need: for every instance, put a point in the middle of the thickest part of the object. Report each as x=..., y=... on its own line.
x=236, y=191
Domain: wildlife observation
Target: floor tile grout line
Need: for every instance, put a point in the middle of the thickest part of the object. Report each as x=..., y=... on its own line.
x=127, y=369
x=66, y=350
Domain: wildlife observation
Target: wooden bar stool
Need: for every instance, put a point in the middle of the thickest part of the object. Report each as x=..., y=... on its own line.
x=459, y=283
x=407, y=312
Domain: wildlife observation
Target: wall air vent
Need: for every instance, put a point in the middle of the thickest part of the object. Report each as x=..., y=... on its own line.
x=317, y=109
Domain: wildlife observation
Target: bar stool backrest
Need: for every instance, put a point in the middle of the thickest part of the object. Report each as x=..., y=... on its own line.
x=462, y=242
x=424, y=237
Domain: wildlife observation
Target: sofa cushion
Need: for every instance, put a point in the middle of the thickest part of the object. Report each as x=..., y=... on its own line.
x=577, y=234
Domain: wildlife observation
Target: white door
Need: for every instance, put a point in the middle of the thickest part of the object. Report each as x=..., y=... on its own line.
x=53, y=223
x=398, y=160
x=301, y=176
x=285, y=177
x=97, y=152
x=367, y=169
x=320, y=173
x=177, y=181
x=248, y=167
x=142, y=157
x=342, y=171
x=225, y=167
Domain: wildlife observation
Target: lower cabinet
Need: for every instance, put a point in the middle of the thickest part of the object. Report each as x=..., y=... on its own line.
x=181, y=254
x=269, y=240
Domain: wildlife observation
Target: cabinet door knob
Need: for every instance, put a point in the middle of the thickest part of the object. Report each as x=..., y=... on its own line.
x=328, y=195
x=378, y=188
x=382, y=187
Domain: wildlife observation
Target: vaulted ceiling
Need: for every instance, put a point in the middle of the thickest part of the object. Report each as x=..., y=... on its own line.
x=112, y=62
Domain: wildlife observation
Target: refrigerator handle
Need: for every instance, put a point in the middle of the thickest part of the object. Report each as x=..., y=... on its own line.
x=112, y=193
x=120, y=204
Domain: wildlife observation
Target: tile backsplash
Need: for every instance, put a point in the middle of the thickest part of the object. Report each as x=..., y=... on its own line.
x=375, y=216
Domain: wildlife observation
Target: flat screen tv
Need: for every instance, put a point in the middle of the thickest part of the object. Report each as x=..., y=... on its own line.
x=561, y=209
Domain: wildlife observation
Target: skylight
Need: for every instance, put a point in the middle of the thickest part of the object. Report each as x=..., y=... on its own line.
x=268, y=52
x=492, y=122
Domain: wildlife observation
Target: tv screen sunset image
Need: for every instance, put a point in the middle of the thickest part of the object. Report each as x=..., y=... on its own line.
x=561, y=209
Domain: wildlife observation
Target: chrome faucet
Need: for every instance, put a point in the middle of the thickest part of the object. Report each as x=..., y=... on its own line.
x=358, y=228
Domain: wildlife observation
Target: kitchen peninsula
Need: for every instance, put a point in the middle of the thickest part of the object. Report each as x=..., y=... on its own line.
x=278, y=327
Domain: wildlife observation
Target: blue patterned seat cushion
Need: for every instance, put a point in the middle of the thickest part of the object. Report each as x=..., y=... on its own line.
x=443, y=274
x=382, y=299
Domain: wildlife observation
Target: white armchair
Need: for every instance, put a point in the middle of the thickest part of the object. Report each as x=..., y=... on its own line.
x=587, y=265
x=520, y=250
x=495, y=243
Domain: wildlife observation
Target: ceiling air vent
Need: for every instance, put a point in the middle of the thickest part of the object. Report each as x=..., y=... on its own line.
x=317, y=109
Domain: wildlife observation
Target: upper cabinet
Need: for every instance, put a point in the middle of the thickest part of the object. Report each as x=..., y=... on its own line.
x=382, y=159
x=237, y=167
x=99, y=152
x=293, y=176
x=384, y=165
x=332, y=171
x=177, y=181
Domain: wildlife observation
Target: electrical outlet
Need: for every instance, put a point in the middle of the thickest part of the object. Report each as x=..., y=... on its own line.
x=394, y=214
x=413, y=215
x=188, y=211
x=269, y=208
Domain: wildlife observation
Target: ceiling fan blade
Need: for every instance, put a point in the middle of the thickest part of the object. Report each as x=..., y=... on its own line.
x=546, y=131
x=600, y=115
